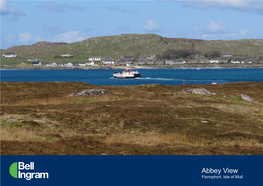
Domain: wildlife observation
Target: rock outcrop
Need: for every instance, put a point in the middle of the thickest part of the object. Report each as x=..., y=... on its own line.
x=248, y=98
x=23, y=120
x=90, y=92
x=201, y=91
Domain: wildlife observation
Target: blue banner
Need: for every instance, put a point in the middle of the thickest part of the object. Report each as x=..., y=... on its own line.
x=131, y=170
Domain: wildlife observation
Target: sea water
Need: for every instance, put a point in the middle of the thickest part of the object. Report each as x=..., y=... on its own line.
x=148, y=76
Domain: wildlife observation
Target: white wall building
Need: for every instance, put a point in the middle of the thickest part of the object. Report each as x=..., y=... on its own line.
x=32, y=59
x=65, y=64
x=237, y=62
x=36, y=63
x=213, y=61
x=9, y=55
x=51, y=64
x=109, y=61
x=95, y=58
x=90, y=64
x=66, y=55
x=82, y=64
x=179, y=62
x=169, y=62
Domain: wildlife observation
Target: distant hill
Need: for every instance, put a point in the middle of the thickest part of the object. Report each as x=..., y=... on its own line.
x=136, y=45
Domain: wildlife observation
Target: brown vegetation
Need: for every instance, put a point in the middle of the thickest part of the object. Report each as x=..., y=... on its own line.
x=39, y=118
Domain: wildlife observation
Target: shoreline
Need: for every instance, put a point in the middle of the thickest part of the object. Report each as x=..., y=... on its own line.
x=133, y=67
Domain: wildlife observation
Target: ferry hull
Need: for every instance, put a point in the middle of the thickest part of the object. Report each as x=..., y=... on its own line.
x=127, y=74
x=128, y=77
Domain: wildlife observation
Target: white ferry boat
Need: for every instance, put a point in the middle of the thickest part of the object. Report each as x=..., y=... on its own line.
x=126, y=74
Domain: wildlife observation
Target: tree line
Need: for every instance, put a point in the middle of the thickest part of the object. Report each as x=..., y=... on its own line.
x=184, y=53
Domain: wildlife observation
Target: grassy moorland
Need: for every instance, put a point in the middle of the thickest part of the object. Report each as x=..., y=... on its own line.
x=39, y=118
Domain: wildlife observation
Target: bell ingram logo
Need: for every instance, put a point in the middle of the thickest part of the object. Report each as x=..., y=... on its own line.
x=17, y=171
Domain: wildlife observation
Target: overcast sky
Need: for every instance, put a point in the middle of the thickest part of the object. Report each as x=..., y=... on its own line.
x=27, y=22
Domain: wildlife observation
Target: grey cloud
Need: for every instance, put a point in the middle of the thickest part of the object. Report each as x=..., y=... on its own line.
x=119, y=9
x=5, y=10
x=212, y=27
x=53, y=29
x=124, y=27
x=61, y=8
x=240, y=5
x=151, y=26
x=239, y=34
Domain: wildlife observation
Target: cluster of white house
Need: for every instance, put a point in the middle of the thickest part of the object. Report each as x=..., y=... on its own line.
x=153, y=62
x=71, y=64
x=145, y=60
x=9, y=55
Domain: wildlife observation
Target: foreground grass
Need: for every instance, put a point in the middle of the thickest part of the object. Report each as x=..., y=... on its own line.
x=39, y=118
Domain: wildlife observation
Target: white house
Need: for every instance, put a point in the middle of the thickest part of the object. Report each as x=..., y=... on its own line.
x=213, y=61
x=51, y=64
x=90, y=64
x=32, y=59
x=9, y=55
x=149, y=62
x=169, y=61
x=65, y=64
x=179, y=62
x=62, y=64
x=95, y=58
x=66, y=55
x=82, y=64
x=237, y=62
x=109, y=61
x=70, y=64
x=36, y=63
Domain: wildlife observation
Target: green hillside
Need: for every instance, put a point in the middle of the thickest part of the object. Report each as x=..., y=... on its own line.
x=130, y=45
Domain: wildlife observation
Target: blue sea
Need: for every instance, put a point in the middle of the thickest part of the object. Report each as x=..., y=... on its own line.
x=148, y=76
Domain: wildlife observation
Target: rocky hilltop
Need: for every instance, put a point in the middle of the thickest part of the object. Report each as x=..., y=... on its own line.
x=38, y=45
